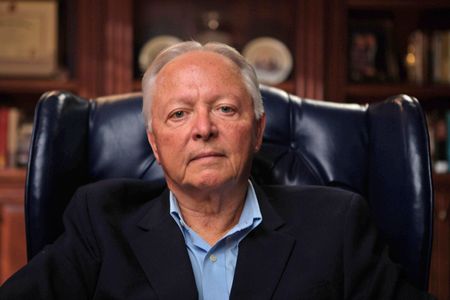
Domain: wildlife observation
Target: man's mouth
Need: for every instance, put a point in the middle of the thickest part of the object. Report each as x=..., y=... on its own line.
x=205, y=155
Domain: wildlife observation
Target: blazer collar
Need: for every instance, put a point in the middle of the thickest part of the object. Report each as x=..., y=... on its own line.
x=160, y=248
x=263, y=255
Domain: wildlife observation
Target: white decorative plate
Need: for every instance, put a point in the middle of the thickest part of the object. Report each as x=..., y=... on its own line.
x=270, y=58
x=152, y=48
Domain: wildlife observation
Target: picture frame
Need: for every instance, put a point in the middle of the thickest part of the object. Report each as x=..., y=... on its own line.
x=372, y=55
x=28, y=35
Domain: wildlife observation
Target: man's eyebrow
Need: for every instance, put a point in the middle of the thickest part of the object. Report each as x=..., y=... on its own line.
x=186, y=99
x=182, y=100
x=227, y=96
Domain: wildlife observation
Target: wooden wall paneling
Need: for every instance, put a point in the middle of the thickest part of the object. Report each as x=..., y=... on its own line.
x=12, y=239
x=89, y=47
x=439, y=284
x=12, y=222
x=104, y=47
x=300, y=69
x=310, y=49
x=335, y=50
x=118, y=52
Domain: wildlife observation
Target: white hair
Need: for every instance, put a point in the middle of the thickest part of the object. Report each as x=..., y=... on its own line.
x=247, y=72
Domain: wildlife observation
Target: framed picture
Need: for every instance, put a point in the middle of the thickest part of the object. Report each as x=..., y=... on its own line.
x=28, y=35
x=371, y=54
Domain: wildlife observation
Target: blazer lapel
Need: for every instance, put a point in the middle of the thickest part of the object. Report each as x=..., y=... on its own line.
x=263, y=256
x=160, y=249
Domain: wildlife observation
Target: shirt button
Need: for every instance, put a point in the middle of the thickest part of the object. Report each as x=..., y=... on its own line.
x=213, y=258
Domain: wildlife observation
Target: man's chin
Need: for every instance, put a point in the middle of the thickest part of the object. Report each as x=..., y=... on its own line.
x=211, y=182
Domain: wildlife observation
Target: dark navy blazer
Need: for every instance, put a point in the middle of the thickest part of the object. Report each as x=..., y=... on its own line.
x=313, y=243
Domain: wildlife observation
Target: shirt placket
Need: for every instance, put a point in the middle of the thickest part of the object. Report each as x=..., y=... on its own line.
x=214, y=274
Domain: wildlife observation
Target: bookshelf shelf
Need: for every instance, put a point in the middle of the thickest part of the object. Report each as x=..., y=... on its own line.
x=442, y=179
x=377, y=92
x=369, y=4
x=35, y=86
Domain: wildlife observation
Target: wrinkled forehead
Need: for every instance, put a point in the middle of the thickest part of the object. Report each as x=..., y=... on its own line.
x=203, y=71
x=200, y=60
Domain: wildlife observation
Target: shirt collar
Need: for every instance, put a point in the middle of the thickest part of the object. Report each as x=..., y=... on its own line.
x=250, y=216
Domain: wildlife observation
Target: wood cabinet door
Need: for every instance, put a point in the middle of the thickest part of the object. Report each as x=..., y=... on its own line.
x=12, y=239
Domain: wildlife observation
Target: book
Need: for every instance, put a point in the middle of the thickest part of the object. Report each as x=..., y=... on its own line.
x=438, y=122
x=417, y=57
x=448, y=138
x=25, y=132
x=9, y=134
x=445, y=57
x=440, y=53
x=12, y=134
x=3, y=136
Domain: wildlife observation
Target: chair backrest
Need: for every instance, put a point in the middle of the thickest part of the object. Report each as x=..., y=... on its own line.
x=380, y=151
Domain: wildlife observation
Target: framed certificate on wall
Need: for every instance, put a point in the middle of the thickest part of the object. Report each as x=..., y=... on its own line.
x=28, y=38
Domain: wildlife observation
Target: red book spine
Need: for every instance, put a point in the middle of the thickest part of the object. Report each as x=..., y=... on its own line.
x=3, y=137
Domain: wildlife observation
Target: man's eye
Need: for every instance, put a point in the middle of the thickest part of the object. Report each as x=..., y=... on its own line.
x=226, y=109
x=178, y=114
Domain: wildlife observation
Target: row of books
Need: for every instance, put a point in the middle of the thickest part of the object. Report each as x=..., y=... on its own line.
x=14, y=138
x=439, y=130
x=428, y=57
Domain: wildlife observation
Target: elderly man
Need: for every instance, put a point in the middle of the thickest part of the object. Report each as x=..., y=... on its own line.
x=213, y=234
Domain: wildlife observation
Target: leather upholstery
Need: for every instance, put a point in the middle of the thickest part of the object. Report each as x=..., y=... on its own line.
x=380, y=151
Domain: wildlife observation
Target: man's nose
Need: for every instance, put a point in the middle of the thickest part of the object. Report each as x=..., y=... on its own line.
x=204, y=128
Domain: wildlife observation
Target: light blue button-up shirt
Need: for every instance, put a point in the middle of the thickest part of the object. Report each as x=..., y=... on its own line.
x=214, y=266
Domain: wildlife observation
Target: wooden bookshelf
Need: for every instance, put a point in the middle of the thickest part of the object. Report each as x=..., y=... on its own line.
x=12, y=222
x=377, y=92
x=440, y=263
x=389, y=4
x=407, y=16
x=35, y=86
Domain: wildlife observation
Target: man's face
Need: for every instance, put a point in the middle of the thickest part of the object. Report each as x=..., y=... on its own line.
x=204, y=128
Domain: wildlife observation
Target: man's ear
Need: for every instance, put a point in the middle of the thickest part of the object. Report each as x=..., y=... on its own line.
x=260, y=126
x=152, y=141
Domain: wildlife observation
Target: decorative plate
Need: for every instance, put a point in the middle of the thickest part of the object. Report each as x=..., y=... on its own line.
x=270, y=58
x=153, y=47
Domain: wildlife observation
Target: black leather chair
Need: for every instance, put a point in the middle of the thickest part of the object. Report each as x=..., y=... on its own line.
x=380, y=151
